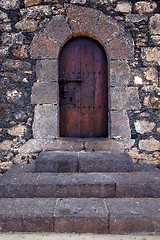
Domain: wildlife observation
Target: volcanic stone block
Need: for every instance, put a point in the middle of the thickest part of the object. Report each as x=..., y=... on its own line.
x=120, y=126
x=125, y=98
x=133, y=215
x=108, y=145
x=5, y=112
x=107, y=28
x=119, y=73
x=105, y=162
x=27, y=215
x=137, y=184
x=17, y=185
x=47, y=70
x=75, y=185
x=23, y=167
x=83, y=162
x=82, y=19
x=43, y=48
x=58, y=29
x=57, y=162
x=121, y=47
x=44, y=93
x=81, y=215
x=45, y=123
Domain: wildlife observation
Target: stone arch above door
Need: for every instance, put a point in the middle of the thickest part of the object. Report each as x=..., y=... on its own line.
x=45, y=48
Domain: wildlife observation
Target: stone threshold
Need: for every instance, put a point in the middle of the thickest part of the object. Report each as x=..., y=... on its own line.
x=76, y=144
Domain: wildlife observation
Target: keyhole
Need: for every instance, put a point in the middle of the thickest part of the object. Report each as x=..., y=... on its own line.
x=71, y=99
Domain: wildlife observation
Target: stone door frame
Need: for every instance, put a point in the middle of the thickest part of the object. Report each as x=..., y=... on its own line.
x=45, y=49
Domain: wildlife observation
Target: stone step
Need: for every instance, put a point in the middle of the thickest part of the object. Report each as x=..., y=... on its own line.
x=84, y=185
x=80, y=215
x=83, y=162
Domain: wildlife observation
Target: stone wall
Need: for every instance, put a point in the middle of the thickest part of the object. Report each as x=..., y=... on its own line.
x=135, y=125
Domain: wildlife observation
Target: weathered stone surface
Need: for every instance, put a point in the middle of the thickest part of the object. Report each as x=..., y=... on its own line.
x=58, y=29
x=145, y=6
x=149, y=144
x=104, y=162
x=32, y=146
x=143, y=126
x=124, y=7
x=137, y=184
x=151, y=102
x=154, y=24
x=119, y=73
x=3, y=16
x=44, y=93
x=11, y=38
x=29, y=3
x=36, y=12
x=18, y=130
x=63, y=145
x=134, y=18
x=107, y=28
x=25, y=24
x=11, y=64
x=125, y=98
x=121, y=47
x=156, y=39
x=10, y=4
x=5, y=112
x=16, y=96
x=68, y=185
x=81, y=215
x=43, y=48
x=30, y=215
x=20, y=53
x=82, y=19
x=57, y=162
x=120, y=127
x=4, y=52
x=108, y=145
x=45, y=123
x=38, y=145
x=145, y=75
x=83, y=162
x=126, y=144
x=151, y=55
x=47, y=70
x=151, y=75
x=133, y=215
x=12, y=186
x=78, y=1
x=6, y=145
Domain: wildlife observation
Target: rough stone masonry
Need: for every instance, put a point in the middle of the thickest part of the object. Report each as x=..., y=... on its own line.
x=137, y=129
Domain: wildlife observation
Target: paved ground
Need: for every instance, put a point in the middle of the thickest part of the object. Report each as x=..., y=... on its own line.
x=52, y=236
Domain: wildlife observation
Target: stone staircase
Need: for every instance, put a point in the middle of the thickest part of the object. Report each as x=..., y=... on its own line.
x=94, y=192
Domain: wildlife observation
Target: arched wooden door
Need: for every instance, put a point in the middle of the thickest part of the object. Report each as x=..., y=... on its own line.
x=83, y=81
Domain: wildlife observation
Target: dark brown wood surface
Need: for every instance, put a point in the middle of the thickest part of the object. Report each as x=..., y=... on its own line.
x=83, y=83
